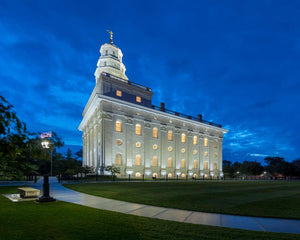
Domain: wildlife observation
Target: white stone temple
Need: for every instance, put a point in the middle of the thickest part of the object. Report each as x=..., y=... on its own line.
x=121, y=127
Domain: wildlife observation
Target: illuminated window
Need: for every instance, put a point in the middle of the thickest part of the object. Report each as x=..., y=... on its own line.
x=118, y=159
x=195, y=140
x=138, y=175
x=205, y=165
x=205, y=142
x=182, y=163
x=183, y=137
x=183, y=175
x=205, y=153
x=216, y=154
x=138, y=129
x=154, y=161
x=155, y=146
x=118, y=126
x=119, y=93
x=154, y=175
x=154, y=132
x=170, y=175
x=195, y=152
x=183, y=150
x=215, y=144
x=138, y=99
x=138, y=160
x=215, y=166
x=195, y=163
x=170, y=149
x=169, y=162
x=138, y=144
x=170, y=135
x=119, y=142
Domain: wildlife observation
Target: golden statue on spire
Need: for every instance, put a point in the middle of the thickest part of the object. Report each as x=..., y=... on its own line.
x=111, y=36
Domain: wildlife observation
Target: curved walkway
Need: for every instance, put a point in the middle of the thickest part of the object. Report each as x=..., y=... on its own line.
x=213, y=219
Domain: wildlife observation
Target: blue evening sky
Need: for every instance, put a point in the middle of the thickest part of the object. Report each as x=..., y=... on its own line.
x=236, y=62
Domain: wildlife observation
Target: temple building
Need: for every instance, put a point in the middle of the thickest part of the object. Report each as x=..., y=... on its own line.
x=122, y=127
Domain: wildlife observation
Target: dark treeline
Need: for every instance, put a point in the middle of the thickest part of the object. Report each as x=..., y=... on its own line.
x=22, y=154
x=275, y=167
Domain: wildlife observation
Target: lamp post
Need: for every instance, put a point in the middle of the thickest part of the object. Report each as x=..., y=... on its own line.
x=46, y=190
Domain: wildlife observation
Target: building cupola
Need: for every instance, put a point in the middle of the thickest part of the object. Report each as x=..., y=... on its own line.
x=110, y=61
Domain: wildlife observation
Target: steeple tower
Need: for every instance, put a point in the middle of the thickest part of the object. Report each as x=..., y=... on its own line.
x=110, y=61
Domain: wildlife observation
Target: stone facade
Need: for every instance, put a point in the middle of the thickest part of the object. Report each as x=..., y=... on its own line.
x=121, y=127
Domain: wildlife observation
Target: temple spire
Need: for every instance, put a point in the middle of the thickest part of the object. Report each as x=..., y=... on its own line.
x=111, y=36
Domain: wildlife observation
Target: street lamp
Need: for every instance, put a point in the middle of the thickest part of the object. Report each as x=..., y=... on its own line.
x=46, y=196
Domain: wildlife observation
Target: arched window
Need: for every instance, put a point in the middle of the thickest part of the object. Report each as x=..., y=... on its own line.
x=205, y=153
x=169, y=162
x=182, y=163
x=154, y=132
x=205, y=165
x=205, y=142
x=195, y=140
x=183, y=138
x=154, y=161
x=118, y=126
x=138, y=160
x=215, y=166
x=170, y=135
x=118, y=159
x=215, y=144
x=138, y=129
x=195, y=163
x=183, y=175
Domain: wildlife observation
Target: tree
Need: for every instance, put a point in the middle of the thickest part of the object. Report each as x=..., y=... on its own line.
x=278, y=166
x=227, y=169
x=251, y=168
x=113, y=170
x=14, y=139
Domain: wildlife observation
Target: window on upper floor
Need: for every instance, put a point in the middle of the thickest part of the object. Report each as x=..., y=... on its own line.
x=215, y=166
x=154, y=132
x=169, y=162
x=195, y=140
x=170, y=135
x=205, y=153
x=118, y=159
x=154, y=161
x=138, y=99
x=119, y=93
x=183, y=138
x=215, y=144
x=205, y=142
x=118, y=126
x=138, y=129
x=138, y=160
x=106, y=52
x=195, y=163
x=182, y=163
x=104, y=64
x=205, y=165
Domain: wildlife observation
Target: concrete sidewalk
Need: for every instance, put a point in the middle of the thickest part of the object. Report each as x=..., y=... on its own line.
x=213, y=219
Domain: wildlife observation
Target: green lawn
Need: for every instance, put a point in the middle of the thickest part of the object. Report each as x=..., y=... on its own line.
x=60, y=220
x=253, y=198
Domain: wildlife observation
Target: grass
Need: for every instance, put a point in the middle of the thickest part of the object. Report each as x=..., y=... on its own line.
x=252, y=198
x=60, y=220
